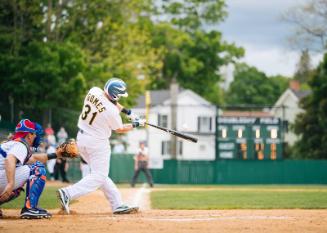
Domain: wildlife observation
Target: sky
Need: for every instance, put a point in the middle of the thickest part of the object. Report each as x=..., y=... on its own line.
x=256, y=25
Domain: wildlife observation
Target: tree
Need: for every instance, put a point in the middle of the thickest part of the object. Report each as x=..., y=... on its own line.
x=193, y=55
x=311, y=125
x=310, y=19
x=113, y=35
x=19, y=25
x=253, y=87
x=303, y=68
x=50, y=77
x=190, y=15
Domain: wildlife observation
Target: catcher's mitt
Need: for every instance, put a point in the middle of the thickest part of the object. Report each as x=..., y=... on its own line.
x=68, y=149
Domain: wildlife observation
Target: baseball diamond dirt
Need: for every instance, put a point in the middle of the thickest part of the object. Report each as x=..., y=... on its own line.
x=91, y=213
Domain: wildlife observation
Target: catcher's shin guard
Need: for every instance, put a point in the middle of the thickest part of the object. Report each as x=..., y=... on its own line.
x=35, y=185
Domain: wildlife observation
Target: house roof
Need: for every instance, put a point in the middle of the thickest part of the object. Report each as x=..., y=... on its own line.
x=290, y=93
x=246, y=114
x=301, y=94
x=157, y=97
x=163, y=97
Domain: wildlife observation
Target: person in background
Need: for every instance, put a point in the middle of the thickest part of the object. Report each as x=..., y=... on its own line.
x=141, y=163
x=61, y=167
x=62, y=135
x=51, y=163
x=50, y=138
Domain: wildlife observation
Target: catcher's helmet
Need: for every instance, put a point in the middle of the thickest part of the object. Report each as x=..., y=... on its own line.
x=115, y=88
x=26, y=126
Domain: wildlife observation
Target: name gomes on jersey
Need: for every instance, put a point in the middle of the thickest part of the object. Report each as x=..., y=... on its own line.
x=96, y=102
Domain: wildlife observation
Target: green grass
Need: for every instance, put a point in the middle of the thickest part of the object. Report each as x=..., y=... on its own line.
x=48, y=200
x=215, y=197
x=240, y=197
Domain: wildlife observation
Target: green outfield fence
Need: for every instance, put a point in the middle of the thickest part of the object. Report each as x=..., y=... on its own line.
x=220, y=171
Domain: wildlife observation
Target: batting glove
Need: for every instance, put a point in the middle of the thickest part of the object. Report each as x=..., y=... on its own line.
x=141, y=122
x=138, y=122
x=133, y=117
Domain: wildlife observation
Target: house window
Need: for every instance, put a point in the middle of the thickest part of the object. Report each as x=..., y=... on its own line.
x=257, y=133
x=224, y=133
x=165, y=147
x=273, y=133
x=163, y=120
x=204, y=124
x=240, y=133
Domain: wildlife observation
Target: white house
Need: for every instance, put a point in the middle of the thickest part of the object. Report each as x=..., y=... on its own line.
x=195, y=116
x=287, y=108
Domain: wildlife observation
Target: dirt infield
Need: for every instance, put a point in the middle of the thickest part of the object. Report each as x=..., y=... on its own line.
x=92, y=214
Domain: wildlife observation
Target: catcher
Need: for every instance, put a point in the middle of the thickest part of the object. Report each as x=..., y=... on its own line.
x=19, y=165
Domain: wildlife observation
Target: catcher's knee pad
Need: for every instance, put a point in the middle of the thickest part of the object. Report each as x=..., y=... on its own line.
x=35, y=184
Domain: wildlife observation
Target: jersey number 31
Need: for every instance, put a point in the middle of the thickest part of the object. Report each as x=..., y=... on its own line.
x=87, y=110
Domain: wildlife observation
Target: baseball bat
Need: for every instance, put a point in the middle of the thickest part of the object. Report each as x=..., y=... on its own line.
x=175, y=133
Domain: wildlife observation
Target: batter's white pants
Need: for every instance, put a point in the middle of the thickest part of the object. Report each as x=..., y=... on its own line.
x=97, y=154
x=22, y=174
x=85, y=169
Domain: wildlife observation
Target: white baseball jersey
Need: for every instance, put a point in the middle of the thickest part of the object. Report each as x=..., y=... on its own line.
x=19, y=150
x=99, y=116
x=15, y=148
x=143, y=151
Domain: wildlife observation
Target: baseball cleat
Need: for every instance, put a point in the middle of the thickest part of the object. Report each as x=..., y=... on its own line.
x=34, y=213
x=124, y=209
x=64, y=200
x=1, y=214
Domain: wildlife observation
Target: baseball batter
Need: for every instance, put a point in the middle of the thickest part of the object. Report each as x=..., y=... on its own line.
x=100, y=115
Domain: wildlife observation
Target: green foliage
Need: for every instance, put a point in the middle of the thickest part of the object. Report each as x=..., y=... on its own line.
x=190, y=15
x=192, y=55
x=49, y=75
x=253, y=87
x=116, y=36
x=52, y=51
x=311, y=125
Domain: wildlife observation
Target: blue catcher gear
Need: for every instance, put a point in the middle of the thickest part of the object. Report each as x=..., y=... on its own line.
x=35, y=185
x=115, y=88
x=39, y=135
